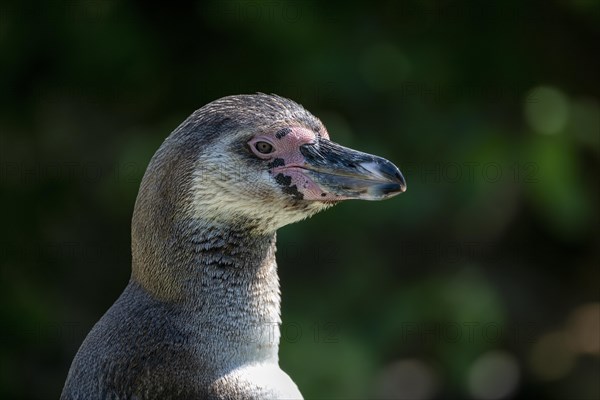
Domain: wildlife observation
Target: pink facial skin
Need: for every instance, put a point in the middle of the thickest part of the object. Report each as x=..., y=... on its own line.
x=288, y=166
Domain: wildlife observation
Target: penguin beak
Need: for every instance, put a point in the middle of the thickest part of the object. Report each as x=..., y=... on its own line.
x=345, y=173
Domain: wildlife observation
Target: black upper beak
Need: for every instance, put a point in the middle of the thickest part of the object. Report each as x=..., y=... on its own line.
x=351, y=174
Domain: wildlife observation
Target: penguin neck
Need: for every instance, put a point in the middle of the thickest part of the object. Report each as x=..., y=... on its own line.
x=224, y=277
x=233, y=267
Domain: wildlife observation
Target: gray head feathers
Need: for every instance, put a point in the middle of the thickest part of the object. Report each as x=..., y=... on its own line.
x=200, y=315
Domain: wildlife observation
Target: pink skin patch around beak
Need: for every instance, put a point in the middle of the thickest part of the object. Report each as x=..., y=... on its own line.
x=287, y=165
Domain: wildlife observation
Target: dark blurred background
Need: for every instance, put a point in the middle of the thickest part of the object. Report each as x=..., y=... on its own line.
x=481, y=281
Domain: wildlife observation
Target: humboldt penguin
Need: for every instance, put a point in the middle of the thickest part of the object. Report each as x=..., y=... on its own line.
x=199, y=318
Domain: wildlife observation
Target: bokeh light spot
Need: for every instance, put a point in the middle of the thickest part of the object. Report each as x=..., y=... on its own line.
x=407, y=379
x=546, y=110
x=583, y=329
x=551, y=356
x=494, y=375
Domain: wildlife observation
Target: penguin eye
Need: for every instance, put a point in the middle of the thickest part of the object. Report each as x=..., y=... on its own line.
x=263, y=147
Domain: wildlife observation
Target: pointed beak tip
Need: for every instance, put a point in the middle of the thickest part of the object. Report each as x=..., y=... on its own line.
x=393, y=187
x=397, y=188
x=401, y=181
